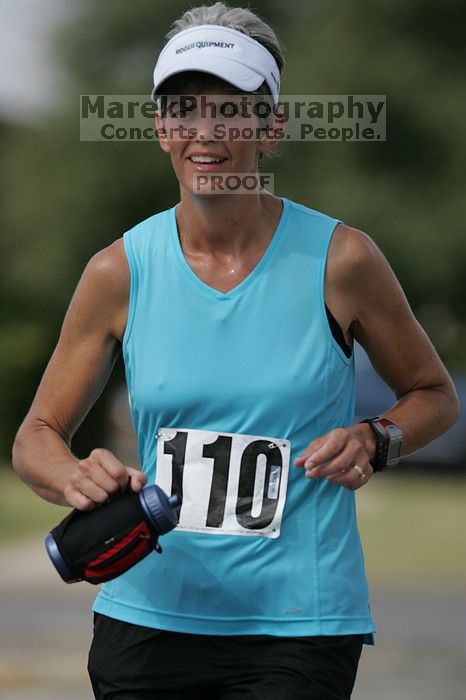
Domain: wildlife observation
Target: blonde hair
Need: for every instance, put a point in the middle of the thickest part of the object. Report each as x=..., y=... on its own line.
x=239, y=18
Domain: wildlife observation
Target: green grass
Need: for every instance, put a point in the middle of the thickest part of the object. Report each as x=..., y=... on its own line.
x=412, y=527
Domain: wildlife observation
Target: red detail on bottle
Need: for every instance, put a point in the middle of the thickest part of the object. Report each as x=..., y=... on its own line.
x=135, y=545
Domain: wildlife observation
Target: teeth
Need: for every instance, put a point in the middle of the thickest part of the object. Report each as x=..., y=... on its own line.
x=206, y=159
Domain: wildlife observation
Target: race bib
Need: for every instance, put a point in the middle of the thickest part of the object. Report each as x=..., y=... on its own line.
x=230, y=483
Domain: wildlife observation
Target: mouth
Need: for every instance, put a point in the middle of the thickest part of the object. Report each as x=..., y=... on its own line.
x=206, y=163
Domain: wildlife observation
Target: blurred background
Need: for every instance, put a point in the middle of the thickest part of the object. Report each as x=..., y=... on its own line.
x=61, y=200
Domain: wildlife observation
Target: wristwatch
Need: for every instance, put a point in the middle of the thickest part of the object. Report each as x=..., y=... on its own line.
x=388, y=446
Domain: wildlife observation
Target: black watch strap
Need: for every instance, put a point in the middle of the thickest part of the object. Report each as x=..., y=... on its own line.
x=388, y=443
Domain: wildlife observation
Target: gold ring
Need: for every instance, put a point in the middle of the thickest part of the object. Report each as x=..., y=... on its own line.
x=361, y=472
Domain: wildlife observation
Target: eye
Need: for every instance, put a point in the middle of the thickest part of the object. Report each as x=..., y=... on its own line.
x=185, y=113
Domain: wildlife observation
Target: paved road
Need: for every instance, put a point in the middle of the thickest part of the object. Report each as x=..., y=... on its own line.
x=45, y=629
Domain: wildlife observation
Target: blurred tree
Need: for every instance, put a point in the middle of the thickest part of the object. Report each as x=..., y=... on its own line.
x=405, y=192
x=63, y=199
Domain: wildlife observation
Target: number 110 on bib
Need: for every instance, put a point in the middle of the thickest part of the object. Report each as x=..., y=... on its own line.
x=230, y=483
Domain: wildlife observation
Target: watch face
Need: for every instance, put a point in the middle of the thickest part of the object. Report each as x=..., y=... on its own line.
x=394, y=445
x=394, y=450
x=389, y=439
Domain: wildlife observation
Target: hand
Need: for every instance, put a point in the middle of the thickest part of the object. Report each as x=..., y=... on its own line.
x=335, y=456
x=99, y=476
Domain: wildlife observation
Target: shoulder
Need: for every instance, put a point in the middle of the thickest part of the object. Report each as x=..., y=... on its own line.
x=101, y=296
x=108, y=271
x=307, y=213
x=109, y=265
x=353, y=257
x=359, y=279
x=351, y=252
x=144, y=231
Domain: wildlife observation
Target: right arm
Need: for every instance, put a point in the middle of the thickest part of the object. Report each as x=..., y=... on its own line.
x=76, y=374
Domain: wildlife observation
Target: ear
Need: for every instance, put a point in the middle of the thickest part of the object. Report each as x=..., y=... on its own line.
x=274, y=133
x=161, y=133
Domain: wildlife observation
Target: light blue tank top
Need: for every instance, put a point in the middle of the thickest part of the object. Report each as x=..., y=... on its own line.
x=226, y=389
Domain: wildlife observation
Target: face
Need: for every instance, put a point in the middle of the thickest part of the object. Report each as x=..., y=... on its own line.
x=211, y=136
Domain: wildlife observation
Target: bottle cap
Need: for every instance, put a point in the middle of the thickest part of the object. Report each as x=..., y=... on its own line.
x=159, y=508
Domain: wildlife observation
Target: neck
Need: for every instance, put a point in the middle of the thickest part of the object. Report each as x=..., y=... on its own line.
x=229, y=224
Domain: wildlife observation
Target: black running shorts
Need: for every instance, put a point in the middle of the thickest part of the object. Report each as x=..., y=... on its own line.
x=130, y=662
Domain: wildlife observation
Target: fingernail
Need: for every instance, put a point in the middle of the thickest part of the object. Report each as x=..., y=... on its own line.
x=309, y=464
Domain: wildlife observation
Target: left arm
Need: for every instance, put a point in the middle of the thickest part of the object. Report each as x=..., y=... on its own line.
x=367, y=300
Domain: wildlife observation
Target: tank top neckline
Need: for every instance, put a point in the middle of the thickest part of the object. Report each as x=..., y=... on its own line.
x=237, y=289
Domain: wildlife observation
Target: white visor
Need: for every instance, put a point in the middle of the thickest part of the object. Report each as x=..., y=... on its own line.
x=220, y=51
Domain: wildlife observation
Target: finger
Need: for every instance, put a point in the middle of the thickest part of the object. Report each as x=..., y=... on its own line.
x=109, y=463
x=86, y=493
x=92, y=491
x=77, y=500
x=137, y=479
x=352, y=478
x=96, y=478
x=92, y=479
x=89, y=470
x=347, y=483
x=352, y=453
x=336, y=465
x=333, y=446
x=310, y=449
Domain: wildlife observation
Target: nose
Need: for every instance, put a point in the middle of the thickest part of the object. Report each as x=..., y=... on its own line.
x=204, y=128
